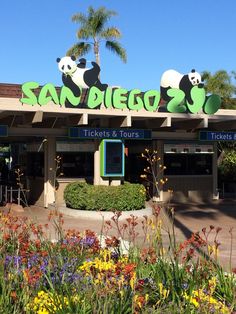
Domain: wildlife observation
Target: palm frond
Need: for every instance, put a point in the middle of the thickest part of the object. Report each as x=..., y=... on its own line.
x=79, y=18
x=79, y=49
x=115, y=47
x=111, y=33
x=100, y=18
x=84, y=33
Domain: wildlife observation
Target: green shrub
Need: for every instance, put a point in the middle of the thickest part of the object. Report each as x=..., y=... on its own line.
x=76, y=195
x=124, y=197
x=227, y=169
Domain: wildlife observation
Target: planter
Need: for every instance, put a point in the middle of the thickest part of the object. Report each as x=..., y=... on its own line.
x=90, y=214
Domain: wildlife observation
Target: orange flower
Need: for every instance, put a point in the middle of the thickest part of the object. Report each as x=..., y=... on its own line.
x=44, y=253
x=129, y=268
x=6, y=236
x=13, y=295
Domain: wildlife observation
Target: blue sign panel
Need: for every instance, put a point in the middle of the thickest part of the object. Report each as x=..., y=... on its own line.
x=3, y=130
x=217, y=136
x=100, y=133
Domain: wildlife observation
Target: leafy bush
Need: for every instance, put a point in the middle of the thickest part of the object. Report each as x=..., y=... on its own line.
x=227, y=168
x=80, y=195
x=76, y=195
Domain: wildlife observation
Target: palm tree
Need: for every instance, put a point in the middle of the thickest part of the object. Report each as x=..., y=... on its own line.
x=93, y=31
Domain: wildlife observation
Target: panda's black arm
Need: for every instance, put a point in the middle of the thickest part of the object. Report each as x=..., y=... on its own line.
x=82, y=63
x=96, y=68
x=68, y=82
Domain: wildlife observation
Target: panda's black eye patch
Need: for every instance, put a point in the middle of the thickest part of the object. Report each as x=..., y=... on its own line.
x=62, y=67
x=192, y=78
x=197, y=81
x=69, y=67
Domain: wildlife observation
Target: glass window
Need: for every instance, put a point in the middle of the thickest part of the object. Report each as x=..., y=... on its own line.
x=74, y=164
x=134, y=167
x=35, y=164
x=188, y=164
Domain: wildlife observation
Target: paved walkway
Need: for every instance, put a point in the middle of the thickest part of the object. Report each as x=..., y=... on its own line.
x=219, y=214
x=188, y=218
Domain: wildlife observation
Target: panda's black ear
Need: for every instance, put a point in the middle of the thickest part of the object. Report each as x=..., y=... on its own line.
x=73, y=58
x=58, y=60
x=193, y=70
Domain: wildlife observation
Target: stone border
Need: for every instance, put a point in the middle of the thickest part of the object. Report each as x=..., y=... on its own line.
x=90, y=214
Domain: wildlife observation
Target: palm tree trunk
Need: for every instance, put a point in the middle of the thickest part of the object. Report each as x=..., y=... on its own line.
x=96, y=52
x=97, y=55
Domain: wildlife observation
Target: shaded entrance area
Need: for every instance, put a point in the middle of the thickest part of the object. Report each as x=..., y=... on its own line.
x=28, y=166
x=18, y=167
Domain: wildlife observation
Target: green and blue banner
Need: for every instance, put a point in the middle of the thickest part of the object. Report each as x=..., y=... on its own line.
x=112, y=158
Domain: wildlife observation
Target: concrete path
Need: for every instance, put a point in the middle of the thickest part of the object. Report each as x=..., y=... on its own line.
x=188, y=218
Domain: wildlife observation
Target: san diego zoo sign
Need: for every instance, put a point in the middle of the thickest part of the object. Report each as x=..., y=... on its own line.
x=179, y=93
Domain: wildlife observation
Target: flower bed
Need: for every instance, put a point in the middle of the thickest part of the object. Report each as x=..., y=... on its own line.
x=76, y=274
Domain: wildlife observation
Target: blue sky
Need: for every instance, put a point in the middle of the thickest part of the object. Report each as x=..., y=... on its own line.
x=157, y=35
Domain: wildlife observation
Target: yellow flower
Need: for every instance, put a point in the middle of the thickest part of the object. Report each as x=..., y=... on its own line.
x=212, y=284
x=104, y=263
x=164, y=293
x=132, y=281
x=122, y=293
x=194, y=302
x=41, y=293
x=162, y=251
x=48, y=303
x=199, y=297
x=144, y=176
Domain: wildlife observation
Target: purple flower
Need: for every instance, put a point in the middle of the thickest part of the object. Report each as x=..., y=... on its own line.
x=185, y=286
x=87, y=242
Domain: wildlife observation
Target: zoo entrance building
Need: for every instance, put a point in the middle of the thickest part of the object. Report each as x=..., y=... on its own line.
x=38, y=130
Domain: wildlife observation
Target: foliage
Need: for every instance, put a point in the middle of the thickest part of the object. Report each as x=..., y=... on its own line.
x=76, y=274
x=76, y=194
x=227, y=167
x=93, y=31
x=80, y=195
x=5, y=149
x=220, y=83
x=153, y=173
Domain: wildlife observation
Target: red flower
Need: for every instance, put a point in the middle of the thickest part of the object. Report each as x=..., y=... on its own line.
x=129, y=268
x=112, y=242
x=6, y=236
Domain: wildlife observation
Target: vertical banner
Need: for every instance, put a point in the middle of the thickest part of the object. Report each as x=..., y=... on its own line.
x=112, y=158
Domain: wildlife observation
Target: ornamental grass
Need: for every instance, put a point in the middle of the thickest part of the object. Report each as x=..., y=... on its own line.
x=79, y=273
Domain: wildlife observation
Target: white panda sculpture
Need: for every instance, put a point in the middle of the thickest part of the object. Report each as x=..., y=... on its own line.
x=184, y=82
x=76, y=76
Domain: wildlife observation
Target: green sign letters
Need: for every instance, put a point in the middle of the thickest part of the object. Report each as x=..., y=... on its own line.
x=121, y=98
